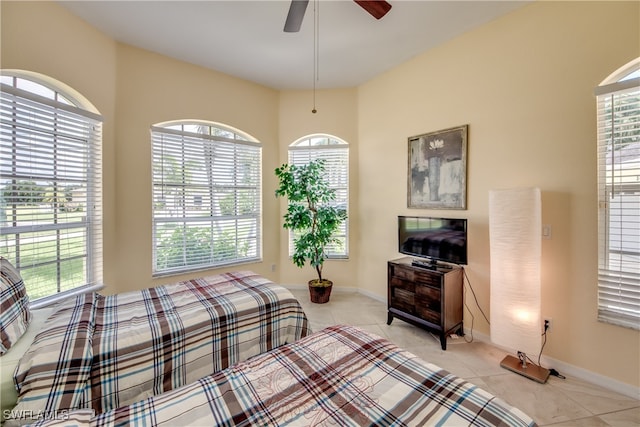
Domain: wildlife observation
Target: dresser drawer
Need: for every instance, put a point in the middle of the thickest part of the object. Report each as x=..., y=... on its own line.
x=427, y=301
x=429, y=315
x=397, y=283
x=403, y=273
x=403, y=300
x=429, y=279
x=428, y=292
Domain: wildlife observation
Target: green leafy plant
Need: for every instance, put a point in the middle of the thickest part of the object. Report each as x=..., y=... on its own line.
x=311, y=215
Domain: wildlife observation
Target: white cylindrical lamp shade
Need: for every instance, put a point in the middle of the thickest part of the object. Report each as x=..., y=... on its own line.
x=515, y=228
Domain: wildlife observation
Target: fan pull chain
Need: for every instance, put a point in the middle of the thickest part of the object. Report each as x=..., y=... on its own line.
x=316, y=49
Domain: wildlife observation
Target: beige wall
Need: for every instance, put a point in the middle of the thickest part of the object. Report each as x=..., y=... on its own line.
x=524, y=85
x=153, y=89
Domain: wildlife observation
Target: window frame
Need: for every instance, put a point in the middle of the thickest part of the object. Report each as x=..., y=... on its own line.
x=189, y=136
x=313, y=146
x=618, y=123
x=39, y=116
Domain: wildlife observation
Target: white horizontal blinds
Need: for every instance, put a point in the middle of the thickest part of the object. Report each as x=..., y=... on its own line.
x=336, y=155
x=50, y=190
x=619, y=204
x=206, y=198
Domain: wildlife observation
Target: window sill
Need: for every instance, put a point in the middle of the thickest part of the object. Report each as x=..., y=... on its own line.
x=54, y=299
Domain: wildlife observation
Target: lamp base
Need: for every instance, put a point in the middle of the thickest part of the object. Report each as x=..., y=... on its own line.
x=533, y=372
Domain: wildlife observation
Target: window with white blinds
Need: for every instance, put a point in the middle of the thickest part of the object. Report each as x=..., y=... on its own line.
x=335, y=152
x=619, y=197
x=50, y=188
x=206, y=197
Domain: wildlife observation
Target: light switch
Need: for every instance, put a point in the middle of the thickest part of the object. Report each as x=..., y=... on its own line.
x=546, y=231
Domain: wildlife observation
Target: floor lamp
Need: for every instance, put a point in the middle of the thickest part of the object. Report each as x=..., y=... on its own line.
x=515, y=227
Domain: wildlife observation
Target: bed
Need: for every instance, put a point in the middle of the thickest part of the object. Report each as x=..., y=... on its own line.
x=341, y=375
x=101, y=352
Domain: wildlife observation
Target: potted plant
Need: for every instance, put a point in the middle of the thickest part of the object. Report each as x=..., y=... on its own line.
x=312, y=217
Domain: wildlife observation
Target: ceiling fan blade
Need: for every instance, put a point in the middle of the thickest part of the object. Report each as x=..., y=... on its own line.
x=295, y=15
x=377, y=9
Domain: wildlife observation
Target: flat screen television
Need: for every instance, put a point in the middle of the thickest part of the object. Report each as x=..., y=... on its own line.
x=434, y=239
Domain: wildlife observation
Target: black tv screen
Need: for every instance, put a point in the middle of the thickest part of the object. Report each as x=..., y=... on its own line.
x=438, y=239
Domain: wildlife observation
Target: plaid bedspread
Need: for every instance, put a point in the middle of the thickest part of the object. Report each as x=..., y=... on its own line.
x=341, y=376
x=102, y=352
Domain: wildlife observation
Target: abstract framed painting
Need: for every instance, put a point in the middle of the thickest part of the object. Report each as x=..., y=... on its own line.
x=437, y=173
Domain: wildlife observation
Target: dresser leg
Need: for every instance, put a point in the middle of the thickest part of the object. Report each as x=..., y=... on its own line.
x=389, y=318
x=443, y=341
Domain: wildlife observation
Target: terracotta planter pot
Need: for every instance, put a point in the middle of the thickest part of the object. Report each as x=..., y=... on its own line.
x=320, y=292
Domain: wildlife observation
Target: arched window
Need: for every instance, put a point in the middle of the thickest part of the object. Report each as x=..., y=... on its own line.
x=335, y=152
x=619, y=197
x=206, y=196
x=50, y=185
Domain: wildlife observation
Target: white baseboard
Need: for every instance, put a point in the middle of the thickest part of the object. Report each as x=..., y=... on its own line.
x=345, y=289
x=295, y=287
x=334, y=289
x=373, y=296
x=569, y=370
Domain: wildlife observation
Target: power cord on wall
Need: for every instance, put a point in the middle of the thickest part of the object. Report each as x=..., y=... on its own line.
x=552, y=371
x=544, y=342
x=544, y=334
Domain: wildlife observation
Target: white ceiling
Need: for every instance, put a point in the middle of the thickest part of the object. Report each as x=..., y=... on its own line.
x=246, y=38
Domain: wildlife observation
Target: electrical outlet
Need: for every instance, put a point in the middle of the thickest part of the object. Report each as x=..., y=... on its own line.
x=548, y=323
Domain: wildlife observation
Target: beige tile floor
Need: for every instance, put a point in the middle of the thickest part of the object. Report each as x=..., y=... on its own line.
x=569, y=402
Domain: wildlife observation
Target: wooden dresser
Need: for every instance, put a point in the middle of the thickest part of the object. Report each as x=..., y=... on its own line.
x=430, y=298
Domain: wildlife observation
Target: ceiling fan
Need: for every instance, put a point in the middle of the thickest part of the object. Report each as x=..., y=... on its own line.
x=377, y=9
